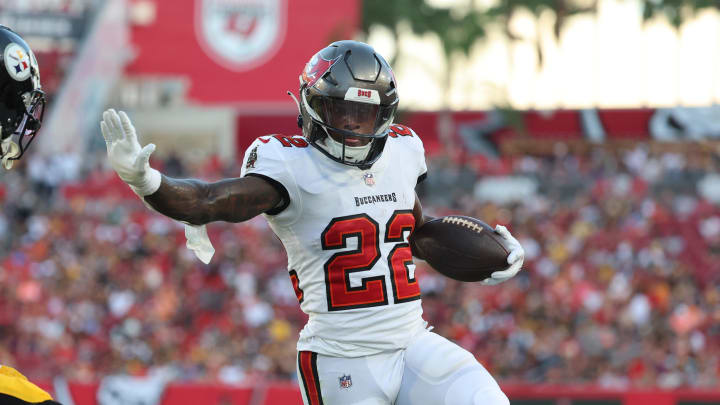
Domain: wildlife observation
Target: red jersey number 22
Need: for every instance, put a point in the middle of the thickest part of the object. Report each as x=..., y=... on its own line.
x=372, y=291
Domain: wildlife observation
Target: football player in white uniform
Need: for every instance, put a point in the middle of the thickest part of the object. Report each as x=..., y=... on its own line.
x=22, y=101
x=342, y=200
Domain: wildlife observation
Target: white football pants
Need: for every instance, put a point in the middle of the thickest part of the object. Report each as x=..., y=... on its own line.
x=431, y=371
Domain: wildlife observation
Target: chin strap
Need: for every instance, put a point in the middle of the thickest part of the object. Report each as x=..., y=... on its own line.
x=353, y=154
x=297, y=103
x=10, y=150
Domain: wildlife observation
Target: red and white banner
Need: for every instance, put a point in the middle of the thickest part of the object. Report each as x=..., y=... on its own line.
x=244, y=52
x=240, y=35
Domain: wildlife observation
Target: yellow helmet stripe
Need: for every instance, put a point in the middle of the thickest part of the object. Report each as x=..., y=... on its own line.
x=15, y=384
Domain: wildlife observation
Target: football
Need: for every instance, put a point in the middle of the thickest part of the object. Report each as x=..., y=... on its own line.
x=459, y=247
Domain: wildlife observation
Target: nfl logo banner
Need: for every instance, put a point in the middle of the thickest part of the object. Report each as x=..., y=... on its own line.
x=240, y=34
x=244, y=53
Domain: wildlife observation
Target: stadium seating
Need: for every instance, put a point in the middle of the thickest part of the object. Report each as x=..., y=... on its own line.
x=619, y=290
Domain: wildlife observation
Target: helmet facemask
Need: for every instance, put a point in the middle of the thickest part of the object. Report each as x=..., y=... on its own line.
x=351, y=132
x=21, y=115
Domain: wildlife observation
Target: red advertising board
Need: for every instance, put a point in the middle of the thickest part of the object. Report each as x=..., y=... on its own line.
x=245, y=52
x=288, y=393
x=450, y=128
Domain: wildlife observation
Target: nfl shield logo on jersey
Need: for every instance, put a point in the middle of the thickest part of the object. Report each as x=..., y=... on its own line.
x=240, y=35
x=345, y=381
x=369, y=180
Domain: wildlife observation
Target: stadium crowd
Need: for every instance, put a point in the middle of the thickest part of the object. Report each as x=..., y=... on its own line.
x=619, y=289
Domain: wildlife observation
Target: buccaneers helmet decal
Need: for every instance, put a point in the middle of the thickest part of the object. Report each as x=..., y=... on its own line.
x=316, y=68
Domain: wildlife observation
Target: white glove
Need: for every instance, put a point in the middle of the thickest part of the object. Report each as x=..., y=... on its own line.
x=127, y=158
x=515, y=259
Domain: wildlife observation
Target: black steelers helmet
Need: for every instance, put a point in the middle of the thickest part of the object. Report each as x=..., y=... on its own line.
x=348, y=90
x=22, y=101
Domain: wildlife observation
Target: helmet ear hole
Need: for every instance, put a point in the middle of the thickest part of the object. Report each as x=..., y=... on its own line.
x=7, y=95
x=11, y=108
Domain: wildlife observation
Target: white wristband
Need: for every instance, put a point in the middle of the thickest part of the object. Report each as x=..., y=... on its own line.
x=149, y=184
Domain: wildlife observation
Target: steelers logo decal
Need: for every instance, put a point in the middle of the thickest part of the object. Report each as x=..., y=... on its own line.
x=17, y=62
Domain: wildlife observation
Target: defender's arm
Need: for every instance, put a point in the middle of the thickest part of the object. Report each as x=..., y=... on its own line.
x=199, y=202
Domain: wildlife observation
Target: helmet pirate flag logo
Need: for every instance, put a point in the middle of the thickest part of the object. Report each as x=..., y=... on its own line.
x=240, y=35
x=316, y=68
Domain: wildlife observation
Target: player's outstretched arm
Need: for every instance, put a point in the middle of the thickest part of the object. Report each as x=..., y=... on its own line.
x=193, y=201
x=198, y=202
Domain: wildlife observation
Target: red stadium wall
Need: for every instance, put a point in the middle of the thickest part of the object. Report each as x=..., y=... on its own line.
x=557, y=125
x=175, y=44
x=289, y=394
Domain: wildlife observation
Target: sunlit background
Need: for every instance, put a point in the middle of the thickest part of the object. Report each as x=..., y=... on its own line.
x=611, y=58
x=589, y=128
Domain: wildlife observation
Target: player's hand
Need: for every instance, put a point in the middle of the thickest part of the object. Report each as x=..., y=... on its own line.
x=130, y=161
x=515, y=258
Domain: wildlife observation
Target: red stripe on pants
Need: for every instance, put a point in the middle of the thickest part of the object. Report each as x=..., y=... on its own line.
x=312, y=385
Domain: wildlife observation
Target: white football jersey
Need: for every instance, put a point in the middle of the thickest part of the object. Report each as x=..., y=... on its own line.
x=345, y=232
